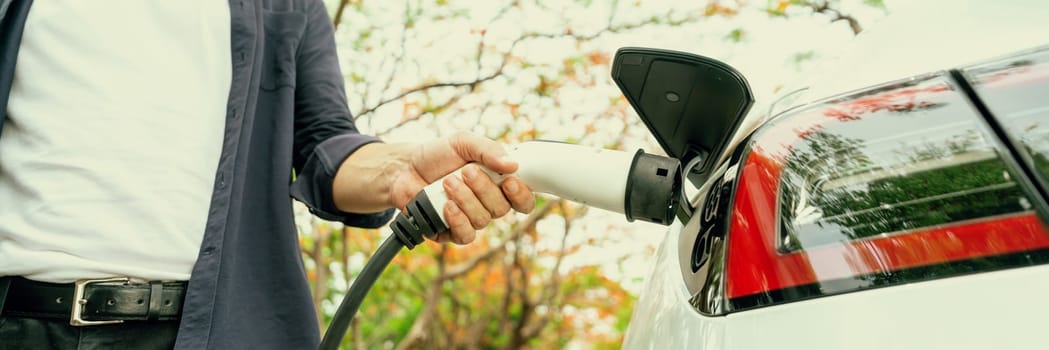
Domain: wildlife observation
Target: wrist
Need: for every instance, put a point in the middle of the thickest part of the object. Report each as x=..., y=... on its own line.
x=366, y=181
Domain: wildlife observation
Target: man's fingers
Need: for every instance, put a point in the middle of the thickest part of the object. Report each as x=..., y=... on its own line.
x=459, y=226
x=491, y=154
x=443, y=237
x=473, y=198
x=486, y=191
x=521, y=197
x=467, y=202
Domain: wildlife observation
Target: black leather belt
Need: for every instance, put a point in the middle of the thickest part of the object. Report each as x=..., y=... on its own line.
x=94, y=302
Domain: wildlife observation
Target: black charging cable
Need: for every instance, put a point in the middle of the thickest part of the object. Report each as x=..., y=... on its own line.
x=410, y=228
x=653, y=187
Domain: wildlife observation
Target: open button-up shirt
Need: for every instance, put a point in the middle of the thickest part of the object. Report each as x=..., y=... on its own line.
x=286, y=111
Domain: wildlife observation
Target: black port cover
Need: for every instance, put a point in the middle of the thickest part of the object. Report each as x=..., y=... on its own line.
x=692, y=104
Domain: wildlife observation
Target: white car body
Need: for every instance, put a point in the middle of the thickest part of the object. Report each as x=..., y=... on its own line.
x=993, y=310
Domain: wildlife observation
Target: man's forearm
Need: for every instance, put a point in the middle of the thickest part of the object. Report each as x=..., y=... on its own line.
x=378, y=176
x=365, y=181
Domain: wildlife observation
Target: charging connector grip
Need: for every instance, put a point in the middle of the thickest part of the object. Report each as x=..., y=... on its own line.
x=652, y=188
x=419, y=221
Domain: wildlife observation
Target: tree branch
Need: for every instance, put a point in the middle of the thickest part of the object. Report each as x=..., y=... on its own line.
x=417, y=333
x=419, y=115
x=517, y=339
x=396, y=61
x=358, y=336
x=338, y=13
x=550, y=290
x=320, y=269
x=476, y=332
x=472, y=84
x=823, y=7
x=344, y=256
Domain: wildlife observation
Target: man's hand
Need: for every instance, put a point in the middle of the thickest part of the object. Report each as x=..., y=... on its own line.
x=378, y=176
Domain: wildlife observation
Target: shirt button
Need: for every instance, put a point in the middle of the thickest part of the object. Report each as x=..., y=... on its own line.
x=209, y=251
x=241, y=56
x=222, y=180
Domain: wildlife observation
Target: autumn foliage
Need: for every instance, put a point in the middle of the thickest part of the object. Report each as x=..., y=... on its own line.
x=515, y=71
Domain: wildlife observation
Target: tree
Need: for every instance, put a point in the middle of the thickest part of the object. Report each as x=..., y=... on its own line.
x=514, y=71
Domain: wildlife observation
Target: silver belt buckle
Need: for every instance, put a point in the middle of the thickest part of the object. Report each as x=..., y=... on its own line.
x=79, y=301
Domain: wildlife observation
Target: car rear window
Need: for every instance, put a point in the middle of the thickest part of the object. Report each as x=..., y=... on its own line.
x=1016, y=90
x=896, y=184
x=883, y=176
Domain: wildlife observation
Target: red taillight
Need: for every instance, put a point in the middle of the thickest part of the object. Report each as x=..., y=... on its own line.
x=896, y=184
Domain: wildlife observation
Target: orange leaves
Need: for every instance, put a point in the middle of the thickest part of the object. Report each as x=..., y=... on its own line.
x=527, y=135
x=717, y=9
x=779, y=9
x=494, y=278
x=546, y=86
x=411, y=109
x=574, y=70
x=513, y=108
x=571, y=210
x=532, y=233
x=412, y=263
x=365, y=240
x=599, y=58
x=483, y=290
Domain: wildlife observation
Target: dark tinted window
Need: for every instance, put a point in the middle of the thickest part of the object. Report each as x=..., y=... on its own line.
x=900, y=183
x=1016, y=90
x=901, y=169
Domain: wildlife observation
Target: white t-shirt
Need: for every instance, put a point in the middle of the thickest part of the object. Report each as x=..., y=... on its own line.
x=114, y=130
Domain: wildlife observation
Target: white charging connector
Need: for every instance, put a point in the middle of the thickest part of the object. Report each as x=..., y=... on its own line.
x=639, y=185
x=594, y=177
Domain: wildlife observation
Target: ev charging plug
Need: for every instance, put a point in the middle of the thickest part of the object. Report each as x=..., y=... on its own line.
x=639, y=185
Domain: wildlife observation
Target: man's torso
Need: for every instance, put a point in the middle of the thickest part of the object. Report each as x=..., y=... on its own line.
x=110, y=147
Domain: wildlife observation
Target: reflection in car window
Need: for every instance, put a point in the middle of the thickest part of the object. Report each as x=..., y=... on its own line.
x=895, y=184
x=914, y=167
x=1016, y=90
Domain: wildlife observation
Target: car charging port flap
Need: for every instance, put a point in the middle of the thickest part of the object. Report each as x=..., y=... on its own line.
x=691, y=104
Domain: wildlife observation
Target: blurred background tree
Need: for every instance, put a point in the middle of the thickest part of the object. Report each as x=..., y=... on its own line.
x=562, y=276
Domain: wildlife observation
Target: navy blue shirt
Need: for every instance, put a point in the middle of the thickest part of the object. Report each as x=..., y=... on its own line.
x=287, y=112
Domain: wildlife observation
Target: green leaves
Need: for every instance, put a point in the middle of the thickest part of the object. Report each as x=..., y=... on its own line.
x=875, y=3
x=512, y=70
x=736, y=35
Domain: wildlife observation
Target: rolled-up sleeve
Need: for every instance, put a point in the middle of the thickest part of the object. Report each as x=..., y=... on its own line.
x=324, y=131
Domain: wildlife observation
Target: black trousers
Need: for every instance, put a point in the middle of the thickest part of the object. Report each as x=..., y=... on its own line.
x=36, y=333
